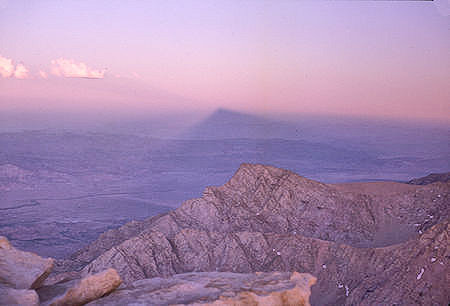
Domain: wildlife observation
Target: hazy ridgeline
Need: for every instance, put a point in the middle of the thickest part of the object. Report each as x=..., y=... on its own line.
x=64, y=181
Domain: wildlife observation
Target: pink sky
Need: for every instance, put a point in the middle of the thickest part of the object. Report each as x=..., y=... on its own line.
x=376, y=58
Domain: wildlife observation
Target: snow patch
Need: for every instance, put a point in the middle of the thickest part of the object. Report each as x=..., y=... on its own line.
x=419, y=276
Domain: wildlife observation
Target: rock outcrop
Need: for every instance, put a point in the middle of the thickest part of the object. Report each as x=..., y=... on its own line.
x=80, y=292
x=20, y=297
x=214, y=288
x=431, y=178
x=22, y=270
x=368, y=243
x=21, y=273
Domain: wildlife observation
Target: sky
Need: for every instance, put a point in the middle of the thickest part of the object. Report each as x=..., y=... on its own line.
x=362, y=58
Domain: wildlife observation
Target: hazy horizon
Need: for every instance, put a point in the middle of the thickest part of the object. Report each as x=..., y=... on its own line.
x=370, y=59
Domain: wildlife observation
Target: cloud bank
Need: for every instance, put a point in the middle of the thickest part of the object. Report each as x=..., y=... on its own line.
x=6, y=67
x=60, y=67
x=43, y=74
x=70, y=69
x=21, y=72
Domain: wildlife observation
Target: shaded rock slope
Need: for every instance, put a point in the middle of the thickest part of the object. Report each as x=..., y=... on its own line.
x=367, y=243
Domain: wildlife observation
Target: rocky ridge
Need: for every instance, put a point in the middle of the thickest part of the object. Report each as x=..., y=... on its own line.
x=371, y=243
x=432, y=178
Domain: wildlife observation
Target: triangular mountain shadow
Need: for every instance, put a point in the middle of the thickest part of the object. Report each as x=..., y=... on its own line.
x=225, y=124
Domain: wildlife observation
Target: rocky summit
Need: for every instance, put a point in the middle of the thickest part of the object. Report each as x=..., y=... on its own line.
x=380, y=243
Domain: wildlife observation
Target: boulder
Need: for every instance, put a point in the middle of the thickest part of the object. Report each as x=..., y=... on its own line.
x=22, y=270
x=21, y=297
x=80, y=292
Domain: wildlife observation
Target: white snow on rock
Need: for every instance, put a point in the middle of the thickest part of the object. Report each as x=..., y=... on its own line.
x=419, y=276
x=433, y=259
x=347, y=291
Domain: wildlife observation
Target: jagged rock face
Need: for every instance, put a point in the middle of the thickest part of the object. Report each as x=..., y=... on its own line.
x=367, y=274
x=269, y=219
x=212, y=288
x=22, y=270
x=266, y=199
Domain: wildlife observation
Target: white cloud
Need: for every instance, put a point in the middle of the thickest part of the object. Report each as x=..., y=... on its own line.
x=6, y=67
x=21, y=72
x=43, y=74
x=70, y=69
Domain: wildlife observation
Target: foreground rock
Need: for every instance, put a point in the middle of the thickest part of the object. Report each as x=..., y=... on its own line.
x=214, y=288
x=20, y=297
x=22, y=270
x=80, y=292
